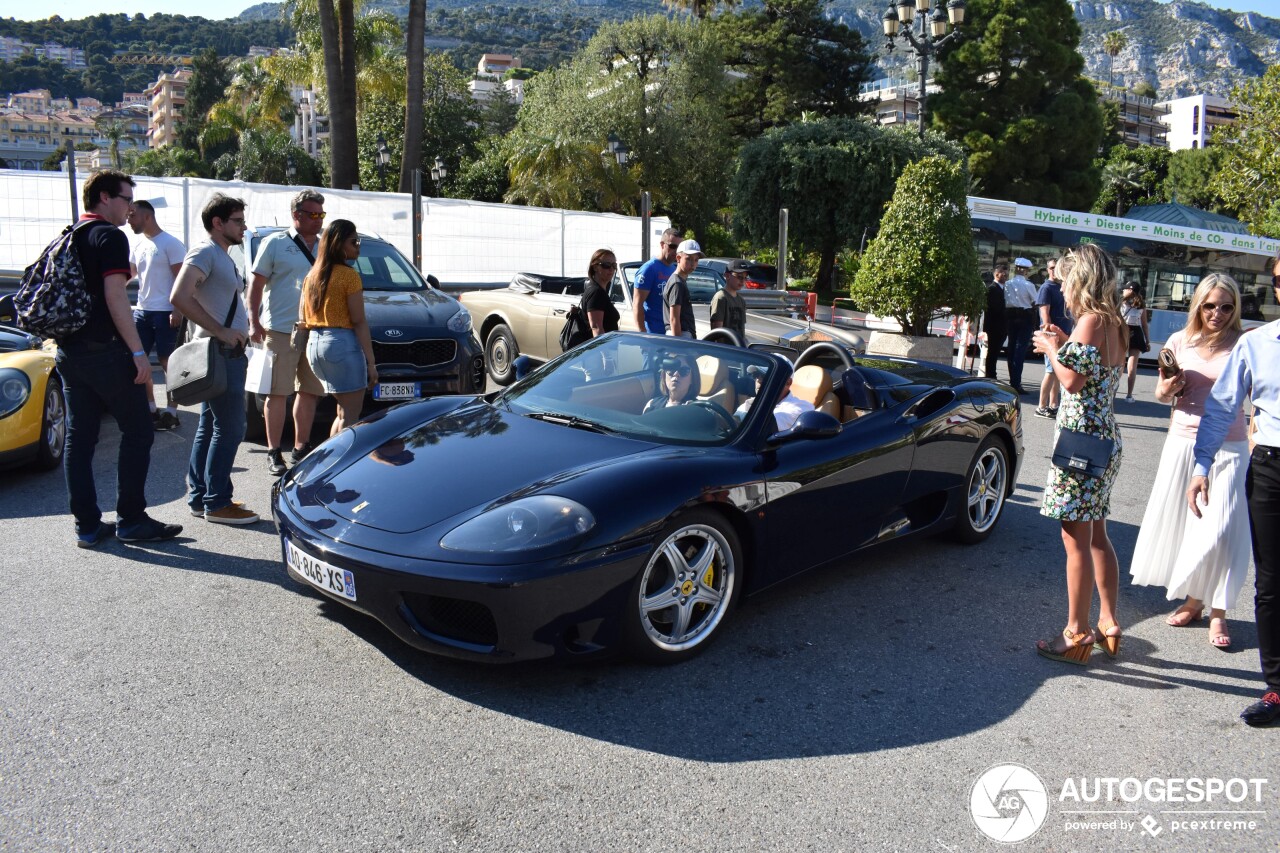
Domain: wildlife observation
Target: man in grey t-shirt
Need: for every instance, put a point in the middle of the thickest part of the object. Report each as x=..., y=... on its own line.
x=207, y=292
x=675, y=294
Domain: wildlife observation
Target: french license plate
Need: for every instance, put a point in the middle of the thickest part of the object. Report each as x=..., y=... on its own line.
x=396, y=391
x=320, y=574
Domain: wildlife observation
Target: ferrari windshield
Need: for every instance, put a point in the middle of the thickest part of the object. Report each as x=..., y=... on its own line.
x=650, y=387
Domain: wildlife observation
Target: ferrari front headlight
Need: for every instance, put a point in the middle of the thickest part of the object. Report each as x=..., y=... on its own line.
x=522, y=525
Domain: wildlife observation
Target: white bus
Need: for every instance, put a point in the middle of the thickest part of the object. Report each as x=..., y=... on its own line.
x=1168, y=260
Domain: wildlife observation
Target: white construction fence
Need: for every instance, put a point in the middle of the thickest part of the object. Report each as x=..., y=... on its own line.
x=464, y=243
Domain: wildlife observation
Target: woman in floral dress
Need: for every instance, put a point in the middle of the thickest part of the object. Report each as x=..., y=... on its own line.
x=1089, y=364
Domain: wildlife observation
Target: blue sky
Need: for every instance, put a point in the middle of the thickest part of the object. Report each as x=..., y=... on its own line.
x=84, y=8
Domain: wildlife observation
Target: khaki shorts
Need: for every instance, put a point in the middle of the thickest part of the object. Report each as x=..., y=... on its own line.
x=290, y=372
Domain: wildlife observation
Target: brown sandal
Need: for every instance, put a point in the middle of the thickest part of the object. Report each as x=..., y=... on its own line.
x=1109, y=643
x=1076, y=649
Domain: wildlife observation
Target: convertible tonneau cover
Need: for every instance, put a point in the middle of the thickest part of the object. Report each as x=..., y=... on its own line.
x=532, y=282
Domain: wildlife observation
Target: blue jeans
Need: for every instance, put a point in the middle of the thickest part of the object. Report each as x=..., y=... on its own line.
x=218, y=436
x=97, y=379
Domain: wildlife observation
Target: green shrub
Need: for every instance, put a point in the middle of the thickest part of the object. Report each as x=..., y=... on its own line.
x=923, y=259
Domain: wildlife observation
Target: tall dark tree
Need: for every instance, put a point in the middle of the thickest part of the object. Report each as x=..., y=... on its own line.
x=210, y=77
x=1012, y=92
x=337, y=33
x=415, y=49
x=1190, y=179
x=793, y=60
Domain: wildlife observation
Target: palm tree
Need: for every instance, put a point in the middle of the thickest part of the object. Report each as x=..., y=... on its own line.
x=415, y=48
x=1112, y=44
x=1121, y=177
x=112, y=130
x=337, y=35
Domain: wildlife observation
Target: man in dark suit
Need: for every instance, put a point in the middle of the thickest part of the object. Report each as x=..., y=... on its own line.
x=993, y=318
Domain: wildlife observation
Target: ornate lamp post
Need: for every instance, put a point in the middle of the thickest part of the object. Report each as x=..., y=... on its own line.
x=617, y=150
x=383, y=158
x=438, y=173
x=932, y=34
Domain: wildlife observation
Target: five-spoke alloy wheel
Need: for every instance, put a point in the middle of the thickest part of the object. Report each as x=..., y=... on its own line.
x=987, y=485
x=688, y=585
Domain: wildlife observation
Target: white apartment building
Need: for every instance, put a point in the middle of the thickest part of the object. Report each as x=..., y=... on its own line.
x=1192, y=120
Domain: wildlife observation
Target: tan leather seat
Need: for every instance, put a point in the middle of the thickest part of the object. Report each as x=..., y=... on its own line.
x=713, y=382
x=813, y=384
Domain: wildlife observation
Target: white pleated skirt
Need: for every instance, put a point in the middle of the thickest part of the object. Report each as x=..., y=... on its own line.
x=1207, y=557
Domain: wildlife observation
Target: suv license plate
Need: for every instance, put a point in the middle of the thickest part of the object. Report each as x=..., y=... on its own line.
x=396, y=391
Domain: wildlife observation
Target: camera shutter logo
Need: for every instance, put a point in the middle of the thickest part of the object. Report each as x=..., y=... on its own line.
x=1008, y=803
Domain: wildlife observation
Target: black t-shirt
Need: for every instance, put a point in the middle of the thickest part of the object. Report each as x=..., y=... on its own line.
x=104, y=251
x=596, y=298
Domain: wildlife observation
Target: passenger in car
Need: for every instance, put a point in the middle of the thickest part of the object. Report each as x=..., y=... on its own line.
x=675, y=382
x=786, y=411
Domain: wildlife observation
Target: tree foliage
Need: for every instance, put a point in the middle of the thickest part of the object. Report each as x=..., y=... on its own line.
x=1132, y=176
x=1190, y=179
x=658, y=84
x=834, y=176
x=923, y=258
x=1011, y=91
x=1249, y=180
x=210, y=76
x=791, y=59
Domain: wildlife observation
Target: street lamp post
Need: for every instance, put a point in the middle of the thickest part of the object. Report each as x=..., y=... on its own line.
x=438, y=173
x=899, y=22
x=617, y=150
x=383, y=157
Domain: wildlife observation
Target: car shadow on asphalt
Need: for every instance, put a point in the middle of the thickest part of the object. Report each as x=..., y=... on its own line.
x=922, y=642
x=186, y=554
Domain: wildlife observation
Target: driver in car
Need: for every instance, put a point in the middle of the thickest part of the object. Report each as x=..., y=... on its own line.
x=676, y=383
x=788, y=408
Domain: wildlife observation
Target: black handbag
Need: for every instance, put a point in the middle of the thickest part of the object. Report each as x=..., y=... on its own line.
x=1082, y=452
x=198, y=369
x=575, y=330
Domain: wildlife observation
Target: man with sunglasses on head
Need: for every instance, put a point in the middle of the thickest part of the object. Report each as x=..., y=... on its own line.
x=650, y=279
x=104, y=370
x=1252, y=371
x=283, y=261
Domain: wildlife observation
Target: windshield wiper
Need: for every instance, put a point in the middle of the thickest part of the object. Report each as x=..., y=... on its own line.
x=572, y=421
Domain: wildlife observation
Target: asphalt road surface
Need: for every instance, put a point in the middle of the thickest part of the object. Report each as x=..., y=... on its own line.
x=188, y=696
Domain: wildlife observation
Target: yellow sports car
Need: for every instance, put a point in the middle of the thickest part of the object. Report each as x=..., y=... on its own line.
x=33, y=413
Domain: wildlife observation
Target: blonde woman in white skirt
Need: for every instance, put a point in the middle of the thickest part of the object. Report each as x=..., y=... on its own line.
x=1203, y=560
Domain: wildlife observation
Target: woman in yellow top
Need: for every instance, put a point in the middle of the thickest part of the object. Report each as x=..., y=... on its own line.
x=339, y=349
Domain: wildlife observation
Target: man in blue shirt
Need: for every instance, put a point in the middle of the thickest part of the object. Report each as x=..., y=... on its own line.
x=1253, y=371
x=647, y=289
x=1052, y=307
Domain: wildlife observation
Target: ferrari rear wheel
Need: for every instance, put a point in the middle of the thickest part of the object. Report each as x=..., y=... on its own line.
x=500, y=352
x=986, y=485
x=687, y=587
x=53, y=425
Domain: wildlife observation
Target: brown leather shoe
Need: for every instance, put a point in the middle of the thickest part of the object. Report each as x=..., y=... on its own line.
x=231, y=514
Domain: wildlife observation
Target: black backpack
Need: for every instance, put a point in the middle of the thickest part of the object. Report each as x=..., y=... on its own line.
x=52, y=301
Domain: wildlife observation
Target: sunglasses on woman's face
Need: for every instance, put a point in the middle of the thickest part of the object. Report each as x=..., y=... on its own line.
x=605, y=265
x=1224, y=307
x=682, y=370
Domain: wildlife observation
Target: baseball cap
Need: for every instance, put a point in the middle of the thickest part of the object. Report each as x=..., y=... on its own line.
x=739, y=266
x=1022, y=262
x=689, y=247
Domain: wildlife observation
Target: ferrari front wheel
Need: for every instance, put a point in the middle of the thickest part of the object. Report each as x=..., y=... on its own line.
x=687, y=587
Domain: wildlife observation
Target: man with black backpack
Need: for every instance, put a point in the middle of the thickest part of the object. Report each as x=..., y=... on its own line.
x=104, y=370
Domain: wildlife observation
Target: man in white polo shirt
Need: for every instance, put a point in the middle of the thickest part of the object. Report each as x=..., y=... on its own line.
x=282, y=262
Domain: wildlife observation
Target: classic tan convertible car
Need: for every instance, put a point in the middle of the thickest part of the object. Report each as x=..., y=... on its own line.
x=525, y=318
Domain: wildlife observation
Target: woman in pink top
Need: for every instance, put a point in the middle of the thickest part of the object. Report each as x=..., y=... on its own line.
x=1202, y=559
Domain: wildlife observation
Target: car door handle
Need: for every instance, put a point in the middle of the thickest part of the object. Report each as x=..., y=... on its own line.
x=559, y=311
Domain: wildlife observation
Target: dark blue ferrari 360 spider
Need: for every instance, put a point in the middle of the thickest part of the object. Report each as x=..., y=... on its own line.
x=628, y=493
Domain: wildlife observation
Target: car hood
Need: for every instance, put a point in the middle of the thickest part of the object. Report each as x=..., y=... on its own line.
x=463, y=461
x=405, y=311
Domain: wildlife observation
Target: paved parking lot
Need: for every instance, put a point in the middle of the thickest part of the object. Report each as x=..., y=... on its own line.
x=189, y=696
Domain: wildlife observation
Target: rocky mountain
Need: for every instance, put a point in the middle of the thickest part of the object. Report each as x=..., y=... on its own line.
x=1180, y=48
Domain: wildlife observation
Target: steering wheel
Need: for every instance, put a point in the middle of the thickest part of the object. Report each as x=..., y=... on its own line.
x=815, y=351
x=718, y=410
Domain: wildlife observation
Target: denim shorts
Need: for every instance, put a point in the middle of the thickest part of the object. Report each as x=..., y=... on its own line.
x=337, y=360
x=154, y=331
